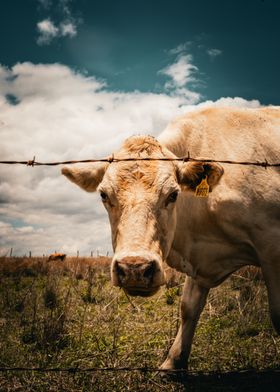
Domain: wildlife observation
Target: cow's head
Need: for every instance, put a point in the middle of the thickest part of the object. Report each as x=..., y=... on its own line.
x=140, y=197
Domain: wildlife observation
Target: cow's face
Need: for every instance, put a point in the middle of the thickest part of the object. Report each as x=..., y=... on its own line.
x=140, y=197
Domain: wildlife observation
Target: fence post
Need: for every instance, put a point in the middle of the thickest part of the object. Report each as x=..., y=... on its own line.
x=91, y=254
x=11, y=252
x=29, y=253
x=78, y=253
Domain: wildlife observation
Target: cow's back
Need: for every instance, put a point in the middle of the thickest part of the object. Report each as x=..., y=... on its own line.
x=232, y=134
x=226, y=133
x=243, y=211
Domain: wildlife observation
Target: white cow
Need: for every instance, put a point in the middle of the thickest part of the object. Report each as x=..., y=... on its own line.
x=155, y=215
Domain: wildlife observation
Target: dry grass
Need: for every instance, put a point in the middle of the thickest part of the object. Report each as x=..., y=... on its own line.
x=34, y=266
x=67, y=314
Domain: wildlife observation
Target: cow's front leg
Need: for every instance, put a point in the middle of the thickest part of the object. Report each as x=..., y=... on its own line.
x=192, y=303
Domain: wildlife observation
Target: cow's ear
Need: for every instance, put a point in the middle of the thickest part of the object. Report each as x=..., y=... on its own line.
x=88, y=178
x=190, y=174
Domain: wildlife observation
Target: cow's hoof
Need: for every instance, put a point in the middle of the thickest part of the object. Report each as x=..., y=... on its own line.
x=172, y=369
x=167, y=365
x=173, y=374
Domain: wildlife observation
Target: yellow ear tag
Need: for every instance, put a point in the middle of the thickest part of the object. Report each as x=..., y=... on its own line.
x=202, y=190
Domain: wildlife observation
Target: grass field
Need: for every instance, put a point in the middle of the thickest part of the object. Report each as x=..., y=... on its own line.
x=67, y=314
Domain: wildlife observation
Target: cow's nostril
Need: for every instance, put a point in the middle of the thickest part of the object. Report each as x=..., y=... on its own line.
x=120, y=270
x=149, y=270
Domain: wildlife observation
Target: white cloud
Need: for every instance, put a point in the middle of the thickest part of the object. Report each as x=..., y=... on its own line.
x=68, y=28
x=47, y=32
x=66, y=25
x=213, y=53
x=62, y=115
x=181, y=74
x=180, y=48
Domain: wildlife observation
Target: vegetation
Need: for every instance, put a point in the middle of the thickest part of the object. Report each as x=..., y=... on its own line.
x=67, y=315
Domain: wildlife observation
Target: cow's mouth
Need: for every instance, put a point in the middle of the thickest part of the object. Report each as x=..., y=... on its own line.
x=140, y=291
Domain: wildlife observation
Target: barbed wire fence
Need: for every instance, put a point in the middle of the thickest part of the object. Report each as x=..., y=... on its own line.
x=111, y=159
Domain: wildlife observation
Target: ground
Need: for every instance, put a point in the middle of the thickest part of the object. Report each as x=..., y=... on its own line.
x=66, y=314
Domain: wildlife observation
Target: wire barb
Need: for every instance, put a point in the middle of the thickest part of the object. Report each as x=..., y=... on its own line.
x=111, y=158
x=31, y=162
x=265, y=164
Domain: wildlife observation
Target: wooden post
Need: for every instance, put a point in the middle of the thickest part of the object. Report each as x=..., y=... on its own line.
x=30, y=253
x=91, y=254
x=107, y=254
x=11, y=252
x=78, y=253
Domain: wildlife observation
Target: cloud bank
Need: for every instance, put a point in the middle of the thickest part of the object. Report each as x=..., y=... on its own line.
x=54, y=113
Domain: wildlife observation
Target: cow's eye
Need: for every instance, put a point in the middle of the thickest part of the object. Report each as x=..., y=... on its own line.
x=104, y=196
x=172, y=197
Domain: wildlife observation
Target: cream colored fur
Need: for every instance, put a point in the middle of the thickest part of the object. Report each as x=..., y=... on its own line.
x=209, y=238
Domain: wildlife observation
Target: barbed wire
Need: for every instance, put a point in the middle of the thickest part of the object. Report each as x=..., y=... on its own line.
x=92, y=369
x=265, y=164
x=132, y=369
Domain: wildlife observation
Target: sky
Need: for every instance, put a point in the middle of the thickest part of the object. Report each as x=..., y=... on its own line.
x=78, y=77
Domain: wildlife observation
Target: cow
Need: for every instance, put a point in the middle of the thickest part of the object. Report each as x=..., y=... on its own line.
x=57, y=256
x=157, y=213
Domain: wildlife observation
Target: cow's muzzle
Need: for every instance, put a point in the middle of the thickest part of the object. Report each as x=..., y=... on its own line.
x=138, y=276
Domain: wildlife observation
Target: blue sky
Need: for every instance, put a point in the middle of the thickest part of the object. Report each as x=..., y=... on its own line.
x=78, y=77
x=127, y=42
